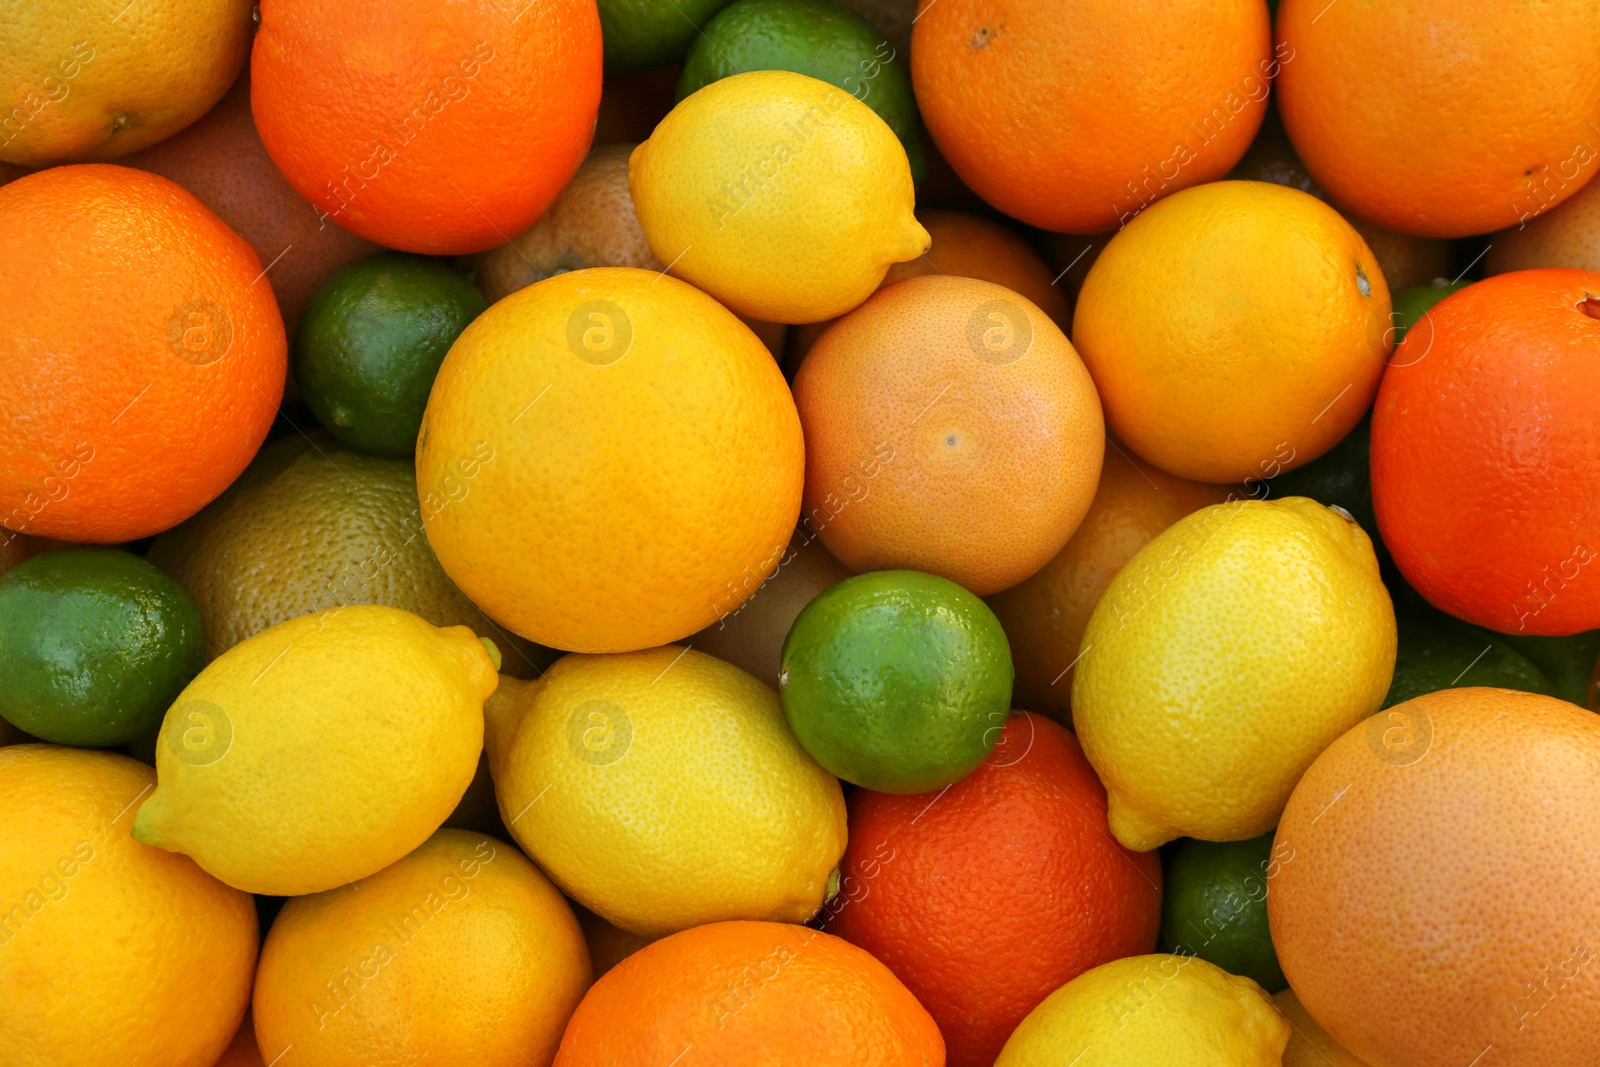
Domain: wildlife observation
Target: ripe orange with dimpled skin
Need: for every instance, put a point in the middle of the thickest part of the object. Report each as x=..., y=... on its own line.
x=1440, y=118
x=1074, y=114
x=1435, y=883
x=987, y=897
x=141, y=364
x=748, y=993
x=1485, y=459
x=950, y=428
x=436, y=128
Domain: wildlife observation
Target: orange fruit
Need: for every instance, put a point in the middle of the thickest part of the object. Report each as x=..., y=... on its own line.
x=970, y=247
x=1075, y=114
x=628, y=433
x=1044, y=616
x=1439, y=118
x=243, y=1051
x=750, y=636
x=1485, y=461
x=1435, y=896
x=1406, y=260
x=1234, y=330
x=986, y=898
x=461, y=952
x=428, y=128
x=81, y=82
x=142, y=365
x=112, y=953
x=748, y=993
x=221, y=161
x=950, y=428
x=1564, y=236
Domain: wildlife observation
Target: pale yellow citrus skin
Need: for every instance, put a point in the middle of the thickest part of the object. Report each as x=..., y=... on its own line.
x=1222, y=659
x=1234, y=330
x=112, y=954
x=1175, y=1011
x=97, y=79
x=320, y=750
x=459, y=953
x=609, y=461
x=1309, y=1044
x=663, y=789
x=784, y=197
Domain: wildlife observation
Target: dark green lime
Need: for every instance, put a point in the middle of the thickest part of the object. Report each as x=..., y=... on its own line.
x=1341, y=476
x=1410, y=304
x=650, y=34
x=1438, y=652
x=1214, y=906
x=822, y=39
x=898, y=681
x=95, y=644
x=1566, y=661
x=370, y=342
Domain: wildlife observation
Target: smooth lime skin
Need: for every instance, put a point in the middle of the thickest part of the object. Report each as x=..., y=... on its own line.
x=822, y=39
x=1214, y=906
x=1437, y=652
x=642, y=35
x=370, y=343
x=95, y=644
x=897, y=681
x=1409, y=305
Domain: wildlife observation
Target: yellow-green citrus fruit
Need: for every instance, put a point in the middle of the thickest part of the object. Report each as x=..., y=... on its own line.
x=321, y=750
x=609, y=461
x=1222, y=659
x=459, y=953
x=663, y=789
x=1144, y=1011
x=112, y=954
x=784, y=197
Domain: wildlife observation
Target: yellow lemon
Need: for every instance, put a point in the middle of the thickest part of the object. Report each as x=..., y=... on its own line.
x=784, y=197
x=1234, y=330
x=1309, y=1044
x=609, y=461
x=1176, y=1011
x=320, y=750
x=459, y=953
x=663, y=789
x=112, y=954
x=1222, y=659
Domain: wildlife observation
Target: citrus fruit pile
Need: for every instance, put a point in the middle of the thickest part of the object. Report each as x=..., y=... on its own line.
x=799, y=533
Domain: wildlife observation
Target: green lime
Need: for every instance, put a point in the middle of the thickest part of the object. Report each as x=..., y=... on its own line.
x=650, y=34
x=1215, y=906
x=95, y=644
x=1436, y=652
x=1409, y=304
x=1341, y=476
x=370, y=342
x=1566, y=661
x=898, y=681
x=822, y=39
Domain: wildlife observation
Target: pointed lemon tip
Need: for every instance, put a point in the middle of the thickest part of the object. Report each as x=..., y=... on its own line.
x=493, y=650
x=912, y=240
x=154, y=821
